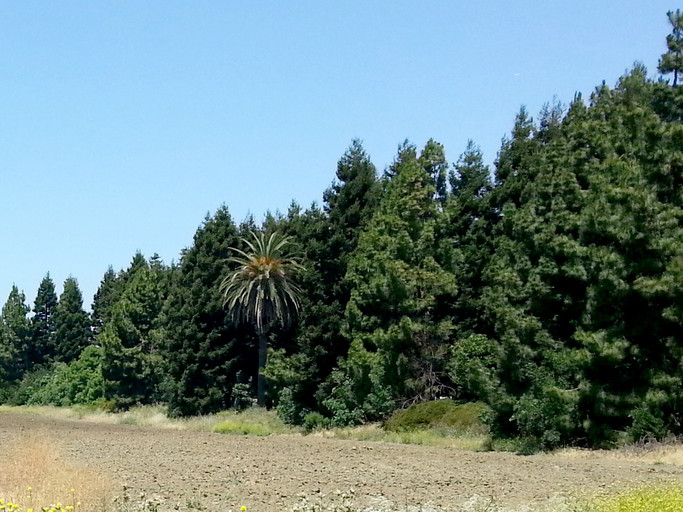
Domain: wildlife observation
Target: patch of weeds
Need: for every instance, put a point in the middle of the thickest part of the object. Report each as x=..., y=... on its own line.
x=241, y=428
x=642, y=499
x=444, y=415
x=254, y=421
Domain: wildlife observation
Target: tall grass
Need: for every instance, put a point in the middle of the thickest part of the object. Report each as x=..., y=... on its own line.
x=254, y=421
x=36, y=473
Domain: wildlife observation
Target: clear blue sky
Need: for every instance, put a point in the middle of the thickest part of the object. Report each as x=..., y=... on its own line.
x=123, y=123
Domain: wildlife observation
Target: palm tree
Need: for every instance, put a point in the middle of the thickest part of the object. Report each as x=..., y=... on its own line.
x=261, y=291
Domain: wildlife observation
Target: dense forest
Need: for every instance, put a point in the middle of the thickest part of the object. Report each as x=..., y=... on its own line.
x=549, y=287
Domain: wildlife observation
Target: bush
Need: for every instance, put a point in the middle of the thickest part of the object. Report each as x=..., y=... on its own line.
x=77, y=383
x=438, y=414
x=646, y=425
x=314, y=421
x=547, y=419
x=29, y=384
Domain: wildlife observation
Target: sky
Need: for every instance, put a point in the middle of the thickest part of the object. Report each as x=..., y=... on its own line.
x=122, y=124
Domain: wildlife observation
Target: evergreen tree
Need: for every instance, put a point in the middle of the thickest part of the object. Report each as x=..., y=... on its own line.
x=10, y=363
x=349, y=203
x=515, y=166
x=15, y=335
x=203, y=350
x=72, y=325
x=42, y=348
x=580, y=287
x=433, y=160
x=396, y=320
x=467, y=223
x=303, y=360
x=672, y=60
x=105, y=297
x=131, y=365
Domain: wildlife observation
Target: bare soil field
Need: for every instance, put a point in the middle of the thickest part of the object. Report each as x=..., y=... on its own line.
x=198, y=470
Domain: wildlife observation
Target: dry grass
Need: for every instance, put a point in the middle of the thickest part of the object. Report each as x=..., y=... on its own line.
x=650, y=452
x=36, y=474
x=427, y=437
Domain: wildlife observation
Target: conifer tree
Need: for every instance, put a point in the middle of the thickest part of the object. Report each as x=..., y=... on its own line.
x=72, y=325
x=396, y=320
x=10, y=364
x=205, y=353
x=105, y=297
x=433, y=160
x=15, y=335
x=131, y=365
x=42, y=348
x=467, y=223
x=672, y=60
x=580, y=289
x=325, y=239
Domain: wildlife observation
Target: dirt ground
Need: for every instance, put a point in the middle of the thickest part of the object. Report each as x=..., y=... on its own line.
x=188, y=469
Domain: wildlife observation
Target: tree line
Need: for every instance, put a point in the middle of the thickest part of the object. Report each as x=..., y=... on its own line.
x=549, y=287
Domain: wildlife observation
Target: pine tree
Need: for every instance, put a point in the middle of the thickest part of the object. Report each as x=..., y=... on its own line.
x=433, y=160
x=580, y=288
x=72, y=325
x=42, y=349
x=131, y=365
x=396, y=321
x=672, y=60
x=105, y=297
x=467, y=223
x=15, y=335
x=203, y=350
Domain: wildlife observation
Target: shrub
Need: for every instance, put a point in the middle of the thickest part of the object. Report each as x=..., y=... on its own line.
x=79, y=382
x=438, y=414
x=646, y=425
x=315, y=420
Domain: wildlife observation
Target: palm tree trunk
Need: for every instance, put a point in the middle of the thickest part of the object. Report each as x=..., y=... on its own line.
x=262, y=355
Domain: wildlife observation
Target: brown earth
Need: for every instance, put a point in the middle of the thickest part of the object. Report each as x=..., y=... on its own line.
x=188, y=469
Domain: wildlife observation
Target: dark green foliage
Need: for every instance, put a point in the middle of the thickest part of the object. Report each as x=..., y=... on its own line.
x=202, y=349
x=72, y=325
x=14, y=337
x=42, y=348
x=349, y=204
x=433, y=161
x=132, y=365
x=9, y=359
x=79, y=382
x=104, y=299
x=438, y=414
x=396, y=317
x=466, y=226
x=325, y=240
x=580, y=290
x=672, y=60
x=472, y=362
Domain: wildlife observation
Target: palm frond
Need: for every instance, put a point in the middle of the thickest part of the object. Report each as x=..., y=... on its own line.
x=260, y=289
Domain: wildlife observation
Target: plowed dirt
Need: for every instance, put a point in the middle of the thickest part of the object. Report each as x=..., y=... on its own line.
x=188, y=469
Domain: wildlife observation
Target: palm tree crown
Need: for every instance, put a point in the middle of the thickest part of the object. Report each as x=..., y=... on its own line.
x=260, y=290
